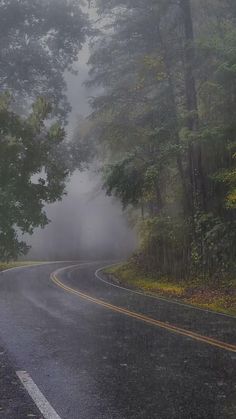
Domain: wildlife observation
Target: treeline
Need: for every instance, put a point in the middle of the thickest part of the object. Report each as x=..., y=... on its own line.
x=164, y=125
x=39, y=41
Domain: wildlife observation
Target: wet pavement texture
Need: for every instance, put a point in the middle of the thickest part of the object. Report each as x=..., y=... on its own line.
x=14, y=400
x=91, y=362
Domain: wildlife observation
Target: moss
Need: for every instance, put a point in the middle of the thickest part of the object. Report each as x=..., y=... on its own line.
x=129, y=275
x=220, y=298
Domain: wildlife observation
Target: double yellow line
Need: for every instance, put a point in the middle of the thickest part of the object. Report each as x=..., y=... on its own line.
x=146, y=319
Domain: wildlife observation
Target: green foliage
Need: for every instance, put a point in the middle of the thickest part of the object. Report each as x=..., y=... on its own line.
x=165, y=243
x=165, y=122
x=213, y=250
x=219, y=297
x=39, y=41
x=33, y=170
x=125, y=180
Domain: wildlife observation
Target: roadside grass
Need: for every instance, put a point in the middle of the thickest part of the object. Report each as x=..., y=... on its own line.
x=9, y=265
x=219, y=298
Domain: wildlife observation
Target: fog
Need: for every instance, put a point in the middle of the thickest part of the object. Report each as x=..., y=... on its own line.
x=86, y=223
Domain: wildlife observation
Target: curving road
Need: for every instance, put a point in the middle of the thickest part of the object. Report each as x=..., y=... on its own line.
x=96, y=351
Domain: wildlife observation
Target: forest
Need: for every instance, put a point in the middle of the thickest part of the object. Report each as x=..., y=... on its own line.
x=162, y=124
x=164, y=127
x=40, y=42
x=117, y=209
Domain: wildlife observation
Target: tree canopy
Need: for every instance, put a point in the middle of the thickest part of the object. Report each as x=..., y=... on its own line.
x=164, y=124
x=39, y=41
x=33, y=171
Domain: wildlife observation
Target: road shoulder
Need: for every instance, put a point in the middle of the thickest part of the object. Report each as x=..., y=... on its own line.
x=218, y=300
x=15, y=403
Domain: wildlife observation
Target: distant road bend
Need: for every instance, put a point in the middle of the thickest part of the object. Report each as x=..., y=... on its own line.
x=96, y=351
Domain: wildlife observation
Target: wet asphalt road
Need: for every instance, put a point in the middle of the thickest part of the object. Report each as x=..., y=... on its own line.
x=93, y=363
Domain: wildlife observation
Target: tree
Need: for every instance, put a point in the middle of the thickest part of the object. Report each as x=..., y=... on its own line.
x=164, y=122
x=39, y=41
x=33, y=171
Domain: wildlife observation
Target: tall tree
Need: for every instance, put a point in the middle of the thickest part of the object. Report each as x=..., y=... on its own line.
x=39, y=41
x=164, y=122
x=33, y=171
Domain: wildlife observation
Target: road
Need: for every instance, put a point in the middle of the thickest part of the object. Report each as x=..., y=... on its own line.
x=99, y=352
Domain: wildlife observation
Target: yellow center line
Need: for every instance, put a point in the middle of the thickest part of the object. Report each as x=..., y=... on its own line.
x=146, y=319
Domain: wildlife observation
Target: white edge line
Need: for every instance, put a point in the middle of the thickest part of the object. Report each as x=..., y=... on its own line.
x=118, y=286
x=41, y=402
x=143, y=294
x=156, y=297
x=76, y=266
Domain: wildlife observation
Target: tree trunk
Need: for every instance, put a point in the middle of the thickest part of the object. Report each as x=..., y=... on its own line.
x=179, y=159
x=195, y=152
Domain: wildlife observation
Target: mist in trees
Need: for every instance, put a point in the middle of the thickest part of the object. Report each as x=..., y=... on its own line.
x=85, y=225
x=44, y=50
x=33, y=170
x=164, y=126
x=161, y=127
x=40, y=40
